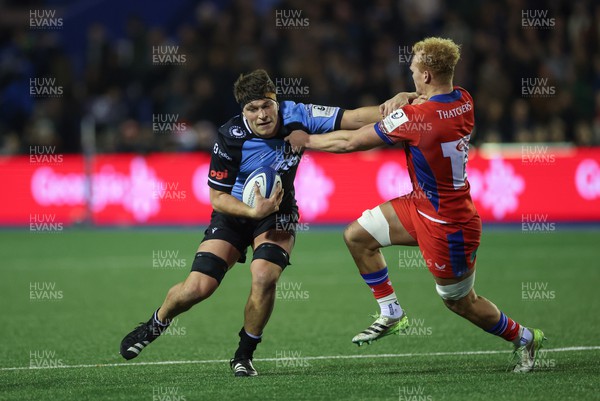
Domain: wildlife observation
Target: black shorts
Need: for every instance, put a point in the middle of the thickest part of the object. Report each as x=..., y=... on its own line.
x=240, y=232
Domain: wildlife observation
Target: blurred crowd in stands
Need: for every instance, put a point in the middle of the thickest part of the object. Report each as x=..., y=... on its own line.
x=533, y=68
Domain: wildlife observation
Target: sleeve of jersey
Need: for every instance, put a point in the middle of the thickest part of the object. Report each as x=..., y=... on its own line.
x=223, y=169
x=396, y=126
x=314, y=118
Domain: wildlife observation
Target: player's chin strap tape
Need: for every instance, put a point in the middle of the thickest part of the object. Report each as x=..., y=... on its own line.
x=210, y=264
x=272, y=253
x=454, y=292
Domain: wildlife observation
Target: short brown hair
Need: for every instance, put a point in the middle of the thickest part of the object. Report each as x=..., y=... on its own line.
x=252, y=86
x=439, y=56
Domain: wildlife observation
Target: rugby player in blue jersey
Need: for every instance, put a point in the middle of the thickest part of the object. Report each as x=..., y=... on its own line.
x=250, y=140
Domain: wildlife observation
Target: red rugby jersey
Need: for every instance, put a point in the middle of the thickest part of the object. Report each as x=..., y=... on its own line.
x=436, y=141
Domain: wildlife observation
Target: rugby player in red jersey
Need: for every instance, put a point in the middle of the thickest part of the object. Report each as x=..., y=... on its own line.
x=438, y=215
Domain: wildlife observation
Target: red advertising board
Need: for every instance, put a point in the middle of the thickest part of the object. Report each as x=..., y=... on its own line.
x=532, y=182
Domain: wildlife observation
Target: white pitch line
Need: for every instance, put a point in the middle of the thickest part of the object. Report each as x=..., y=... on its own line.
x=308, y=358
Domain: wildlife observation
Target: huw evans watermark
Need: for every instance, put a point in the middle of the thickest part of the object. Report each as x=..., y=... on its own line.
x=291, y=19
x=167, y=123
x=174, y=329
x=414, y=393
x=168, y=191
x=45, y=87
x=406, y=55
x=537, y=19
x=537, y=154
x=167, y=393
x=291, y=87
x=291, y=291
x=44, y=291
x=290, y=359
x=537, y=87
x=417, y=328
x=536, y=223
x=44, y=19
x=537, y=291
x=44, y=223
x=167, y=55
x=167, y=259
x=44, y=154
x=40, y=359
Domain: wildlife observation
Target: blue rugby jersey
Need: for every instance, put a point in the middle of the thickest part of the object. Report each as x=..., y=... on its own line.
x=237, y=152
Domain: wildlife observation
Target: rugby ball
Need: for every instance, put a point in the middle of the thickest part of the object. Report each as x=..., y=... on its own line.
x=266, y=178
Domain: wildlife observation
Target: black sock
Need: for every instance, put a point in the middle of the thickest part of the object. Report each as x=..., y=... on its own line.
x=157, y=326
x=247, y=346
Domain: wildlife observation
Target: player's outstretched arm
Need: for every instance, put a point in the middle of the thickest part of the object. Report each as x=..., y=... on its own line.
x=357, y=118
x=225, y=203
x=342, y=141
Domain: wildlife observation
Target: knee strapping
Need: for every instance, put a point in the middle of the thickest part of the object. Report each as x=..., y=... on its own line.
x=210, y=264
x=272, y=253
x=376, y=224
x=454, y=292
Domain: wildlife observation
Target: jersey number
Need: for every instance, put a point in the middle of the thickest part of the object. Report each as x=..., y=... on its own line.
x=458, y=152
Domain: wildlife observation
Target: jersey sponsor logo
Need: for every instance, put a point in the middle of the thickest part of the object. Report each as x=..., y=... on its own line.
x=455, y=112
x=463, y=144
x=394, y=120
x=237, y=132
x=219, y=175
x=322, y=111
x=223, y=155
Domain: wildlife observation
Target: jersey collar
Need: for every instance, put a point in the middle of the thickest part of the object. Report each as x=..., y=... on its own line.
x=447, y=97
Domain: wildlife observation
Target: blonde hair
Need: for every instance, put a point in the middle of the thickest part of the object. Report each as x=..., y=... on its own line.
x=439, y=56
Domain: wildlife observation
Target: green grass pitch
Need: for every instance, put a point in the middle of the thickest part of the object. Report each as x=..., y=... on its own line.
x=69, y=297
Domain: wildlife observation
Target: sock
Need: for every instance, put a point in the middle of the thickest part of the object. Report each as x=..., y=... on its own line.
x=247, y=345
x=509, y=330
x=157, y=322
x=384, y=292
x=525, y=337
x=157, y=326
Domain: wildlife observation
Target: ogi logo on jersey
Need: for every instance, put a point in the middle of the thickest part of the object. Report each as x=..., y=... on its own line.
x=237, y=132
x=219, y=175
x=220, y=153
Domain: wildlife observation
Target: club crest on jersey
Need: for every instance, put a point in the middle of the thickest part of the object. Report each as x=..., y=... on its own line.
x=237, y=132
x=394, y=120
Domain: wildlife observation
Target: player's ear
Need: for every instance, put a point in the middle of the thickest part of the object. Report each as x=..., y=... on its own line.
x=427, y=77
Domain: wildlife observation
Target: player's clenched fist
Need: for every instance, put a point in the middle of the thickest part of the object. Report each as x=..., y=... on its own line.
x=401, y=99
x=297, y=139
